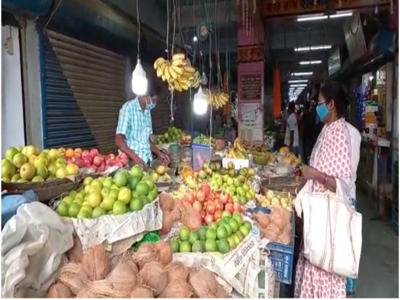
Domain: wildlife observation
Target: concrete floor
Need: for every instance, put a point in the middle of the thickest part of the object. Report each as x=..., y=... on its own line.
x=379, y=267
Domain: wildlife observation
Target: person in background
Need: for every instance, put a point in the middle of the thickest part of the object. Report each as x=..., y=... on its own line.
x=216, y=123
x=333, y=165
x=308, y=131
x=134, y=130
x=292, y=129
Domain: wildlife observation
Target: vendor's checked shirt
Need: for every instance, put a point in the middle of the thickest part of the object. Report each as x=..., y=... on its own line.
x=136, y=125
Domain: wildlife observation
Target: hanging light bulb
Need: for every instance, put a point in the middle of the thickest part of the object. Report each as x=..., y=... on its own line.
x=139, y=80
x=204, y=78
x=200, y=102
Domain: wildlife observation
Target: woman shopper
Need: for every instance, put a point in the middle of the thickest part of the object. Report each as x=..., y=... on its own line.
x=333, y=165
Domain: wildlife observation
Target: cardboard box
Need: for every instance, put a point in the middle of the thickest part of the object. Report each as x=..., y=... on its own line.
x=239, y=163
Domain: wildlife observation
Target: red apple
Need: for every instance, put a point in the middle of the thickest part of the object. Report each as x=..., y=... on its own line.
x=78, y=154
x=218, y=205
x=217, y=215
x=101, y=168
x=97, y=160
x=87, y=162
x=202, y=215
x=237, y=206
x=79, y=162
x=210, y=208
x=229, y=207
x=206, y=189
x=112, y=156
x=200, y=196
x=197, y=205
x=85, y=153
x=94, y=152
x=224, y=198
x=122, y=154
x=208, y=219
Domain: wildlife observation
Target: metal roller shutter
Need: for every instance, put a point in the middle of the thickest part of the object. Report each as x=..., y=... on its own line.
x=82, y=93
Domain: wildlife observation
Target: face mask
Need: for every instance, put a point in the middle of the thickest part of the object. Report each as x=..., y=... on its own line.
x=322, y=111
x=151, y=105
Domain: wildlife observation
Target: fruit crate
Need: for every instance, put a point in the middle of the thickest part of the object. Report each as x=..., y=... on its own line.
x=282, y=256
x=395, y=219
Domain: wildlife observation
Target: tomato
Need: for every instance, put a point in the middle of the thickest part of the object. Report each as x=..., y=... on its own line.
x=190, y=197
x=237, y=206
x=229, y=207
x=200, y=196
x=224, y=198
x=197, y=205
x=206, y=189
x=217, y=215
x=211, y=208
x=209, y=219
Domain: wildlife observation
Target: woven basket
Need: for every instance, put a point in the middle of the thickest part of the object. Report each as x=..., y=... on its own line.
x=281, y=183
x=45, y=190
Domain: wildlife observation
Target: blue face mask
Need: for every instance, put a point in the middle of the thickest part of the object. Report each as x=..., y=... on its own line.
x=151, y=105
x=322, y=111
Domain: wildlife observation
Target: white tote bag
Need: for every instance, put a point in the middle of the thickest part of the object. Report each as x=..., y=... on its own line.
x=332, y=232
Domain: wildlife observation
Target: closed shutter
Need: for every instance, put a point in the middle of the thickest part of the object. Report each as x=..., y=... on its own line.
x=82, y=93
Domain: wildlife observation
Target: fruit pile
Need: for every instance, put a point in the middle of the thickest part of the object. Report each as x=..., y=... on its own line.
x=288, y=157
x=272, y=198
x=222, y=236
x=211, y=205
x=160, y=175
x=203, y=140
x=125, y=192
x=216, y=99
x=236, y=183
x=147, y=273
x=172, y=135
x=93, y=159
x=28, y=164
x=177, y=72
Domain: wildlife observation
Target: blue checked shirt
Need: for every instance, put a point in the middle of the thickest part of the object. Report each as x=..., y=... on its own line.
x=136, y=126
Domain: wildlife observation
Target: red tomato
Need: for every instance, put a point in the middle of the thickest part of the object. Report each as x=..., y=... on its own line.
x=229, y=207
x=217, y=215
x=237, y=206
x=197, y=205
x=224, y=198
x=211, y=208
x=209, y=219
x=200, y=196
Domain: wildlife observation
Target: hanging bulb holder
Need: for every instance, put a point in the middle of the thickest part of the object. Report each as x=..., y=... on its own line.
x=204, y=78
x=139, y=80
x=200, y=102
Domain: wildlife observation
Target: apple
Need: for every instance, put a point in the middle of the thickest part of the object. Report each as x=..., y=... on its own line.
x=237, y=206
x=79, y=162
x=217, y=215
x=94, y=152
x=209, y=219
x=87, y=162
x=200, y=196
x=78, y=154
x=85, y=153
x=112, y=156
x=224, y=197
x=206, y=189
x=210, y=208
x=229, y=207
x=98, y=160
x=202, y=216
x=197, y=205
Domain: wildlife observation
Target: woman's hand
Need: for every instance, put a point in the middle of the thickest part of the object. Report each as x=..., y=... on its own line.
x=310, y=173
x=164, y=158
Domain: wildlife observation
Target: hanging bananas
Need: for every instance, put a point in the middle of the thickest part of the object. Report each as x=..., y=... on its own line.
x=179, y=75
x=237, y=150
x=216, y=99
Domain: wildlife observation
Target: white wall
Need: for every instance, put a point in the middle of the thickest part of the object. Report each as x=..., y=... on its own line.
x=12, y=115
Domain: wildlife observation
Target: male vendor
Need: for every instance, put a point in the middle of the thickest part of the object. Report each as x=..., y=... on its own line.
x=134, y=130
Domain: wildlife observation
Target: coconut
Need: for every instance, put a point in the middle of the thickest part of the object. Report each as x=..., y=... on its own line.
x=203, y=282
x=96, y=263
x=177, y=271
x=123, y=278
x=73, y=277
x=101, y=289
x=167, y=202
x=168, y=221
x=190, y=217
x=221, y=293
x=141, y=291
x=164, y=252
x=59, y=290
x=154, y=275
x=126, y=258
x=75, y=253
x=146, y=253
x=177, y=289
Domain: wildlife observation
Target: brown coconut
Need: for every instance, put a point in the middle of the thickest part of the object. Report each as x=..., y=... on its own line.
x=73, y=276
x=75, y=253
x=142, y=291
x=190, y=217
x=101, y=289
x=167, y=202
x=146, y=253
x=164, y=252
x=203, y=282
x=177, y=271
x=154, y=275
x=123, y=278
x=177, y=289
x=59, y=290
x=167, y=223
x=96, y=263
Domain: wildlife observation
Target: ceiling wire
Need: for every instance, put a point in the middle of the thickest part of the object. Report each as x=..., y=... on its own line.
x=138, y=28
x=52, y=14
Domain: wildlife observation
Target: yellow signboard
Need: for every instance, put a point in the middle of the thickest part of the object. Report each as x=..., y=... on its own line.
x=281, y=8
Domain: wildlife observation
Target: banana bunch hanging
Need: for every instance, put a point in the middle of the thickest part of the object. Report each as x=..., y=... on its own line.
x=177, y=72
x=216, y=99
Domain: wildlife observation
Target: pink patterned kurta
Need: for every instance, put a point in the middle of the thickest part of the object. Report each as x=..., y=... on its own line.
x=330, y=155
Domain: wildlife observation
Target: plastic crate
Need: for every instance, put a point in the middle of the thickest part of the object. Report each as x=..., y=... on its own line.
x=201, y=154
x=282, y=256
x=395, y=219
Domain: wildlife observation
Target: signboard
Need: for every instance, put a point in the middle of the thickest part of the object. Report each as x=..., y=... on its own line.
x=251, y=53
x=303, y=7
x=251, y=121
x=250, y=87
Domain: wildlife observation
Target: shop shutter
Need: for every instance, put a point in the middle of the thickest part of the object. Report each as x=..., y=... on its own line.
x=82, y=93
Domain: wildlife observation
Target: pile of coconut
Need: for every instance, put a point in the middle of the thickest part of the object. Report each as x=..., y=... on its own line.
x=147, y=273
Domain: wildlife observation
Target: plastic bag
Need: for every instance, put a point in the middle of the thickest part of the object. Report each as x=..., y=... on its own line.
x=11, y=201
x=33, y=245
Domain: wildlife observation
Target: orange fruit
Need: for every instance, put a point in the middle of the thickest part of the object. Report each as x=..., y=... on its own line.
x=78, y=150
x=69, y=153
x=61, y=150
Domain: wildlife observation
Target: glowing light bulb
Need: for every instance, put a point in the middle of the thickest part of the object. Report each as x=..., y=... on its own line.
x=139, y=80
x=200, y=103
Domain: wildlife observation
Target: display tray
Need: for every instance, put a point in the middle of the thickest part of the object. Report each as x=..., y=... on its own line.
x=281, y=183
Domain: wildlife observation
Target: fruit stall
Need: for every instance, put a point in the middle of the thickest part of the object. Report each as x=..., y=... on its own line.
x=172, y=232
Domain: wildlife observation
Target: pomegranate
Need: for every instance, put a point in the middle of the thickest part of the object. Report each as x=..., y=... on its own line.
x=210, y=208
x=197, y=205
x=208, y=219
x=224, y=198
x=200, y=196
x=190, y=197
x=229, y=207
x=237, y=206
x=217, y=215
x=202, y=216
x=206, y=189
